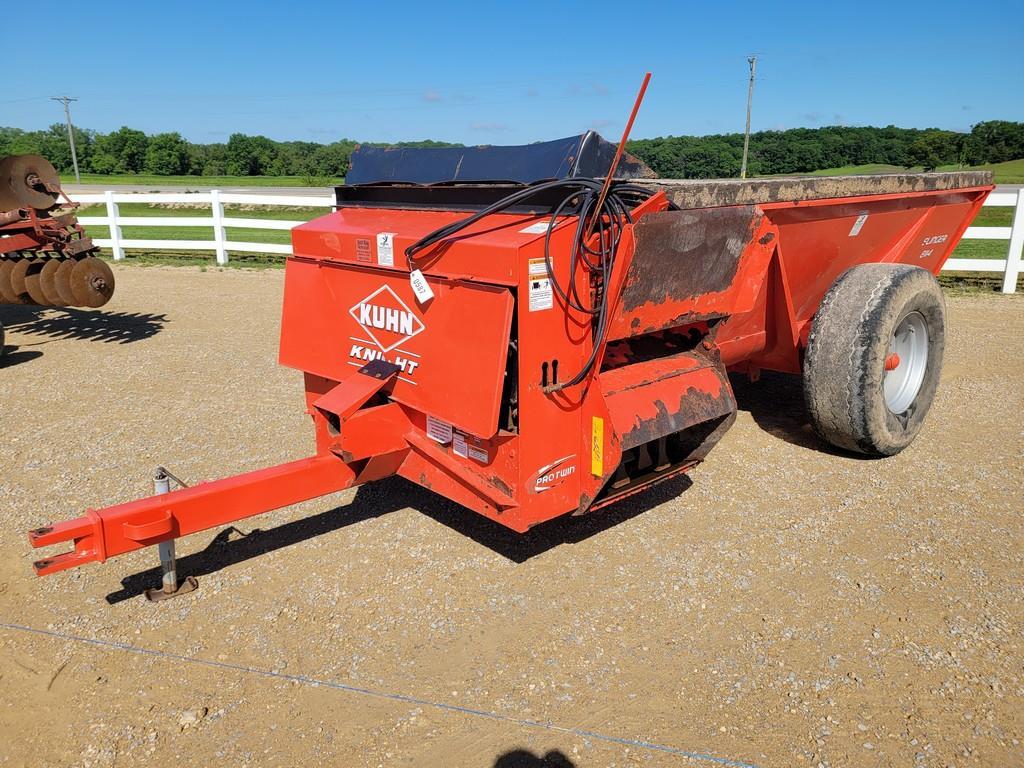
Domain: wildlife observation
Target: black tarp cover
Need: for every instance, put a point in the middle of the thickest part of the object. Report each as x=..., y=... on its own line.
x=586, y=155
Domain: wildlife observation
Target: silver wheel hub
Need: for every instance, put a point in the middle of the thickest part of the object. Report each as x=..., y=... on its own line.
x=906, y=362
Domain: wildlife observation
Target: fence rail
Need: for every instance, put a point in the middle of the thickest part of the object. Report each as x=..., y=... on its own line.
x=1010, y=267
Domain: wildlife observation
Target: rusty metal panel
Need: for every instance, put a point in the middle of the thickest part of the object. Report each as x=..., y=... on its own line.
x=661, y=397
x=684, y=268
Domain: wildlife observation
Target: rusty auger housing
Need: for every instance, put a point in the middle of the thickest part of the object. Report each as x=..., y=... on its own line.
x=45, y=256
x=527, y=355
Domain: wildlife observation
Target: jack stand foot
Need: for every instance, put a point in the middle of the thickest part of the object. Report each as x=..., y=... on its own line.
x=169, y=586
x=156, y=595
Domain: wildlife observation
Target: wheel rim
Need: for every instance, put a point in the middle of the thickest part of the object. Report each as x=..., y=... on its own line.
x=908, y=354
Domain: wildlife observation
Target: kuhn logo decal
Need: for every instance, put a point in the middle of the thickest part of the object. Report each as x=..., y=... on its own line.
x=554, y=474
x=387, y=319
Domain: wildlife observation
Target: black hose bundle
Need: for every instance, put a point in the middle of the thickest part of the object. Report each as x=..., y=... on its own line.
x=607, y=223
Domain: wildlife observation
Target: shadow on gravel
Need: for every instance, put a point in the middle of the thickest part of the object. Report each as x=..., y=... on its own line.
x=91, y=325
x=520, y=547
x=234, y=545
x=776, y=403
x=12, y=357
x=523, y=758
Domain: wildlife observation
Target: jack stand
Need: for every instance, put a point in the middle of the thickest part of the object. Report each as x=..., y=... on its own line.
x=169, y=581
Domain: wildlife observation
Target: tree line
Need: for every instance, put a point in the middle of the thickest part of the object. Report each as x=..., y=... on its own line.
x=130, y=151
x=798, y=150
x=801, y=150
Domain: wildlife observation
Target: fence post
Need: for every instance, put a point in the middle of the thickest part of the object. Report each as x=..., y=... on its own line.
x=115, y=229
x=1013, y=256
x=220, y=236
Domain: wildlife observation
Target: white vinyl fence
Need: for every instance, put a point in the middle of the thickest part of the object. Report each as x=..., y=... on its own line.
x=216, y=220
x=1010, y=267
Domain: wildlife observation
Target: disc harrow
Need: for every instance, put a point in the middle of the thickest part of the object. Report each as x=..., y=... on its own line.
x=46, y=259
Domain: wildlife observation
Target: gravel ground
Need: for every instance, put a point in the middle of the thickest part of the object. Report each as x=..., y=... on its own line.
x=791, y=606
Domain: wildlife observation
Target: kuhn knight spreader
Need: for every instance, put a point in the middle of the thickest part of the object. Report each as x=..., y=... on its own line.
x=489, y=324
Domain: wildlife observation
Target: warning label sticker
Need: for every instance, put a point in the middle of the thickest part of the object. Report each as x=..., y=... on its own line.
x=461, y=447
x=858, y=225
x=541, y=294
x=438, y=430
x=386, y=249
x=538, y=268
x=363, y=250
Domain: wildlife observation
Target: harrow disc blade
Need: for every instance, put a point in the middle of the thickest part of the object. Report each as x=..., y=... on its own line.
x=6, y=291
x=48, y=282
x=18, y=281
x=33, y=286
x=92, y=282
x=62, y=282
x=28, y=181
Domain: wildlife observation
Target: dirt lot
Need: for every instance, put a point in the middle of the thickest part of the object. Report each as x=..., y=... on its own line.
x=790, y=607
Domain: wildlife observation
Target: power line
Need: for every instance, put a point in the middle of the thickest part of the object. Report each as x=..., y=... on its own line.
x=752, y=61
x=66, y=101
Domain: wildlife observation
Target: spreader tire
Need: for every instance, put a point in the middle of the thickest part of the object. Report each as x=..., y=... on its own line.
x=874, y=357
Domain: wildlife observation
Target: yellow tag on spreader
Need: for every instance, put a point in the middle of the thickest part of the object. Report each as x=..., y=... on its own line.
x=597, y=447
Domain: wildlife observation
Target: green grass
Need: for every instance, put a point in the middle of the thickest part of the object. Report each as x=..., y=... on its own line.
x=1010, y=172
x=203, y=181
x=851, y=170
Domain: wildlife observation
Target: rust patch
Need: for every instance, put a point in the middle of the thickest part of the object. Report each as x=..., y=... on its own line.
x=681, y=255
x=681, y=319
x=695, y=406
x=500, y=484
x=585, y=502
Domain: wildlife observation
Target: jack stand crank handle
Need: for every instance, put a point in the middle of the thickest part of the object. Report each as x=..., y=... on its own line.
x=169, y=586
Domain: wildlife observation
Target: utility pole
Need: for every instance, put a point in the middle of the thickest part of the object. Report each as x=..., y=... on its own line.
x=66, y=100
x=752, y=61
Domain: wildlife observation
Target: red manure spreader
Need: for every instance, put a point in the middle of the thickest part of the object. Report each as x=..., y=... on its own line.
x=500, y=326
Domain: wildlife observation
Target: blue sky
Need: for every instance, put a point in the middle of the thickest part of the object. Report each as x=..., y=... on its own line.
x=512, y=72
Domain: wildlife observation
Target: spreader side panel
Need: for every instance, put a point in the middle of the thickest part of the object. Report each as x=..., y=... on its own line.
x=821, y=240
x=691, y=265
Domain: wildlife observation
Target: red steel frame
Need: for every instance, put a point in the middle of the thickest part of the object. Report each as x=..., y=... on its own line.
x=434, y=415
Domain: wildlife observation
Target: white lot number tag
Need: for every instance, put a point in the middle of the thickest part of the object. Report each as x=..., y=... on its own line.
x=538, y=228
x=858, y=225
x=541, y=293
x=438, y=430
x=460, y=447
x=386, y=249
x=420, y=287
